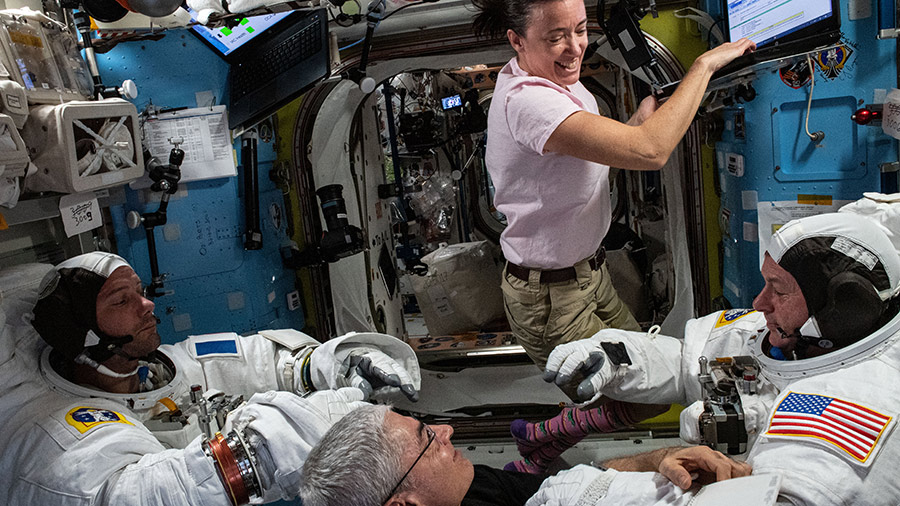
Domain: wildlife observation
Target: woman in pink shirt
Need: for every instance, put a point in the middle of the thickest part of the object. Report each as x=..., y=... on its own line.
x=548, y=153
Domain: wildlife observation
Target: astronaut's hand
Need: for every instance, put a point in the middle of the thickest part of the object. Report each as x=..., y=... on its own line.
x=585, y=356
x=566, y=487
x=681, y=464
x=375, y=373
x=646, y=108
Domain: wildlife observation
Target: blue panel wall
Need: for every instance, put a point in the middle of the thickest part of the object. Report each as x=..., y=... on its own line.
x=216, y=285
x=780, y=162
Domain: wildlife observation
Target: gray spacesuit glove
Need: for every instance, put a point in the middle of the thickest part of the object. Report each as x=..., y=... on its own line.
x=377, y=374
x=689, y=419
x=581, y=485
x=586, y=356
x=281, y=428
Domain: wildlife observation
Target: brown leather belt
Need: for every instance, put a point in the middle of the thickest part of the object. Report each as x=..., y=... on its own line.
x=556, y=275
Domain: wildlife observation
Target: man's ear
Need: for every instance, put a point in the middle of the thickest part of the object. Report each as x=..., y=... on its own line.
x=404, y=499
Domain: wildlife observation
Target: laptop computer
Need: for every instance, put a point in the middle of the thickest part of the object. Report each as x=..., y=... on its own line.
x=273, y=58
x=781, y=29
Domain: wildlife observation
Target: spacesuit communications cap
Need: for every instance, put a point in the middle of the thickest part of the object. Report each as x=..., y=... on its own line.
x=66, y=312
x=847, y=270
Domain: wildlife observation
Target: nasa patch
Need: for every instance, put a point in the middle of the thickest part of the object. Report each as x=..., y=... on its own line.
x=85, y=418
x=731, y=316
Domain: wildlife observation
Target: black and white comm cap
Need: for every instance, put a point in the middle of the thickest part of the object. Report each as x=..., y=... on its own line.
x=66, y=312
x=847, y=268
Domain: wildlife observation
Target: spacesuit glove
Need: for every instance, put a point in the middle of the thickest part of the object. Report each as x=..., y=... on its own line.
x=585, y=356
x=281, y=428
x=377, y=374
x=581, y=485
x=206, y=8
x=690, y=423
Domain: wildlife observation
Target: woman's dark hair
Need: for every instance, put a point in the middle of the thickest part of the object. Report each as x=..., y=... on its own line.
x=495, y=17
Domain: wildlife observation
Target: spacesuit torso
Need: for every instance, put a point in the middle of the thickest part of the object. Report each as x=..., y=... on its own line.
x=69, y=444
x=824, y=424
x=830, y=431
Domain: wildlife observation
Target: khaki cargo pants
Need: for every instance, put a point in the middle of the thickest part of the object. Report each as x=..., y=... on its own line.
x=543, y=316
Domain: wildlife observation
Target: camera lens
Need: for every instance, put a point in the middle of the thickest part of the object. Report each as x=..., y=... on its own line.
x=333, y=207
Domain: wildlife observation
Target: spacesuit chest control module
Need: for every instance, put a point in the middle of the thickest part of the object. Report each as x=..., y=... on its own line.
x=724, y=380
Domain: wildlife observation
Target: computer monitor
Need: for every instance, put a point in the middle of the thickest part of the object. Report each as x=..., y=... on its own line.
x=226, y=41
x=769, y=22
x=272, y=58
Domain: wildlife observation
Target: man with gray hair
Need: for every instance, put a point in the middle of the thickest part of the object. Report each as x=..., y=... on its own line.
x=374, y=456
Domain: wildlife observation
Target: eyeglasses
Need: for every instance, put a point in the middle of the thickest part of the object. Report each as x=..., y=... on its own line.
x=431, y=436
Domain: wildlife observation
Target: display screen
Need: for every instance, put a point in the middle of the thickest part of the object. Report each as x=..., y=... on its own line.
x=451, y=102
x=227, y=40
x=764, y=21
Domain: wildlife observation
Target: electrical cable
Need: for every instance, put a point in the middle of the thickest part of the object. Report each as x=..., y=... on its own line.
x=819, y=135
x=348, y=46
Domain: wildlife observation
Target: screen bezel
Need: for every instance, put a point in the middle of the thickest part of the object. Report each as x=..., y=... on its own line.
x=822, y=26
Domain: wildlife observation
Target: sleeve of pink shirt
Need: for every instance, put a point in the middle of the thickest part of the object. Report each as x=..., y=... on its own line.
x=534, y=110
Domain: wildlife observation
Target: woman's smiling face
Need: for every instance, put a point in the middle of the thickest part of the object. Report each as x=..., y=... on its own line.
x=553, y=45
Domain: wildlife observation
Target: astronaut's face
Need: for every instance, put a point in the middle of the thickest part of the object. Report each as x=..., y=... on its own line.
x=783, y=304
x=442, y=476
x=553, y=45
x=122, y=310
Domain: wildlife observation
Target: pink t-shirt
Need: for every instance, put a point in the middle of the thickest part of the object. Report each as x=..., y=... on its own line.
x=557, y=206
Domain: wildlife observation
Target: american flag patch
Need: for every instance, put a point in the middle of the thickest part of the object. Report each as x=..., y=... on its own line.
x=850, y=427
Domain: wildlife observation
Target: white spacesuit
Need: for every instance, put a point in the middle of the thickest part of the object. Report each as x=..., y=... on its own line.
x=65, y=443
x=822, y=421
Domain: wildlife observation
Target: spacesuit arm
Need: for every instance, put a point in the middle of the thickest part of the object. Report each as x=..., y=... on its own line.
x=281, y=428
x=588, y=486
x=278, y=429
x=288, y=359
x=653, y=375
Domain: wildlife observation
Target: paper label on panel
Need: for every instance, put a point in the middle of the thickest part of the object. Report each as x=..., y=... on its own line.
x=80, y=212
x=890, y=123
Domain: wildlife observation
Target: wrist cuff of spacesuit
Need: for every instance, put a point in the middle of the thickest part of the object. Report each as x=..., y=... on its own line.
x=235, y=465
x=304, y=384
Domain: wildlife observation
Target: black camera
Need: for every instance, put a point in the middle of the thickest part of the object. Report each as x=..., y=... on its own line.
x=341, y=238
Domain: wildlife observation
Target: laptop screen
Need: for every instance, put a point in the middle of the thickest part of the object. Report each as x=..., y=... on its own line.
x=227, y=40
x=765, y=21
